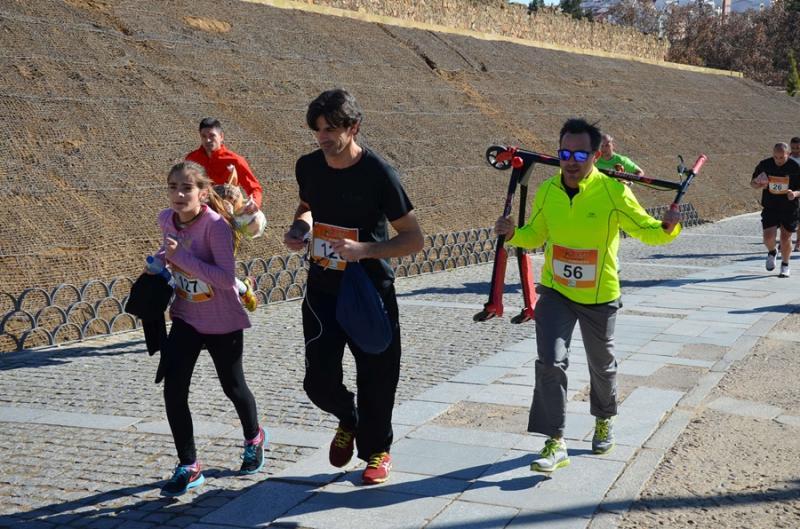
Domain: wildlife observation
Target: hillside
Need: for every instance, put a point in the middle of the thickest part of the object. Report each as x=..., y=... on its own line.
x=98, y=98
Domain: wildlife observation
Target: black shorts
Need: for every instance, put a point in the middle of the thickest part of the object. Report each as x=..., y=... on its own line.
x=784, y=217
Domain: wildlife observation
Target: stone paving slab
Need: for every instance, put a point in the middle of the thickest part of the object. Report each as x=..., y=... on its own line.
x=639, y=368
x=524, y=346
x=509, y=359
x=655, y=347
x=511, y=483
x=579, y=426
x=447, y=459
x=341, y=507
x=526, y=376
x=314, y=469
x=408, y=483
x=468, y=515
x=292, y=437
x=789, y=420
x=273, y=498
x=201, y=429
x=480, y=375
x=687, y=328
x=671, y=360
x=627, y=487
x=701, y=390
x=448, y=392
x=641, y=414
x=467, y=436
x=84, y=420
x=529, y=519
x=507, y=394
x=416, y=412
x=19, y=414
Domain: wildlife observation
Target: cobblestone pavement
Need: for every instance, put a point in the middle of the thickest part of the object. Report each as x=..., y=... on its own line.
x=82, y=428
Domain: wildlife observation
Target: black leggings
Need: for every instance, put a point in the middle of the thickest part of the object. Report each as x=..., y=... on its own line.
x=183, y=347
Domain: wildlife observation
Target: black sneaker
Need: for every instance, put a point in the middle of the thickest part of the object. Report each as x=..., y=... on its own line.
x=253, y=456
x=185, y=478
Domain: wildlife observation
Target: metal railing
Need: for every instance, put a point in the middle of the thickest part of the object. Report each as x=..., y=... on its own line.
x=67, y=313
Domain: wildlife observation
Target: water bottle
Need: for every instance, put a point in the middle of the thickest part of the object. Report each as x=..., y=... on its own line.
x=155, y=266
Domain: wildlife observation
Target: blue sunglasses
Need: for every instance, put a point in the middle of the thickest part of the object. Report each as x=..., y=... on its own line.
x=580, y=156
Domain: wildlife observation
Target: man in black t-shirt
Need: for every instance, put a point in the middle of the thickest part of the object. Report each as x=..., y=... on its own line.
x=779, y=177
x=348, y=197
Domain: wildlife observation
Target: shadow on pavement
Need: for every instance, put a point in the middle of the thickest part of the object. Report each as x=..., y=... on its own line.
x=580, y=511
x=641, y=283
x=466, y=288
x=780, y=309
x=53, y=356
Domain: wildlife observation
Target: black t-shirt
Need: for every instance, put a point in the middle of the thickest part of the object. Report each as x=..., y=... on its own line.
x=780, y=176
x=364, y=196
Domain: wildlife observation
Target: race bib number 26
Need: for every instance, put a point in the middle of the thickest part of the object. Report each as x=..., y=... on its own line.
x=574, y=268
x=322, y=244
x=778, y=185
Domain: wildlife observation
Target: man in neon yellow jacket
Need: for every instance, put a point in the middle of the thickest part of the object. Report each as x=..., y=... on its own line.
x=577, y=215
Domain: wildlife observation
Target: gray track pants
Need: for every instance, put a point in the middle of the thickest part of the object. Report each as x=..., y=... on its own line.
x=555, y=320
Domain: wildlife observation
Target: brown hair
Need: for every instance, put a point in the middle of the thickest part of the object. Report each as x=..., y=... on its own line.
x=202, y=181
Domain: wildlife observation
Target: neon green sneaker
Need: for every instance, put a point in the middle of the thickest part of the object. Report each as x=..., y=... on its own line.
x=553, y=456
x=603, y=439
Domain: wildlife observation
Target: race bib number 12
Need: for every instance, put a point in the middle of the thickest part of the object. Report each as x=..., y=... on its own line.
x=574, y=267
x=322, y=244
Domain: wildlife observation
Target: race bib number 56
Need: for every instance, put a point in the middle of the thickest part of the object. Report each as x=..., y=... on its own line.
x=574, y=267
x=322, y=244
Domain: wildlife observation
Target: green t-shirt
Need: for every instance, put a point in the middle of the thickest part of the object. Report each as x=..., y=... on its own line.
x=626, y=162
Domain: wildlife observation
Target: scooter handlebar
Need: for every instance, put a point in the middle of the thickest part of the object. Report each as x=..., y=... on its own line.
x=701, y=160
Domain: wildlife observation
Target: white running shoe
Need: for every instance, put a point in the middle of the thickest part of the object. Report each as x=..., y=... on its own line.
x=771, y=261
x=785, y=272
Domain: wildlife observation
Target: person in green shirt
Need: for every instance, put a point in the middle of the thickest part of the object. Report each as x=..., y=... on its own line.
x=611, y=160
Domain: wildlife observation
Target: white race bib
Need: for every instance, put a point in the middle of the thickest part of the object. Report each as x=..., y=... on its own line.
x=322, y=244
x=574, y=268
x=778, y=185
x=190, y=288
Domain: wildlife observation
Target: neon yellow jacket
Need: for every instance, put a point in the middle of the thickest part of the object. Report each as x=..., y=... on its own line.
x=581, y=236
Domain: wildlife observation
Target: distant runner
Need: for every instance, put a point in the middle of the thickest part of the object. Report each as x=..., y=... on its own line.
x=779, y=177
x=611, y=160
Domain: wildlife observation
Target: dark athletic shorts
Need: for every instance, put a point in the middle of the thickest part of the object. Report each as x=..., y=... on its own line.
x=786, y=218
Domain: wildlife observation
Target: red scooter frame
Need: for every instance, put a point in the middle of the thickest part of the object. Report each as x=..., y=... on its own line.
x=523, y=162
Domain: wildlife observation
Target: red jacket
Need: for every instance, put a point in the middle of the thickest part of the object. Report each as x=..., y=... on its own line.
x=216, y=167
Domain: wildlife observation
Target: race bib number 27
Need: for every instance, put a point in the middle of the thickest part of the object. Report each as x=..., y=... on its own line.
x=191, y=288
x=574, y=268
x=322, y=244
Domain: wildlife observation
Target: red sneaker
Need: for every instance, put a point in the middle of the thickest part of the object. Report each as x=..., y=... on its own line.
x=378, y=468
x=341, y=447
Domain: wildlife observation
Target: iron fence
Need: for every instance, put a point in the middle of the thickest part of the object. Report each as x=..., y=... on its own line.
x=68, y=313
